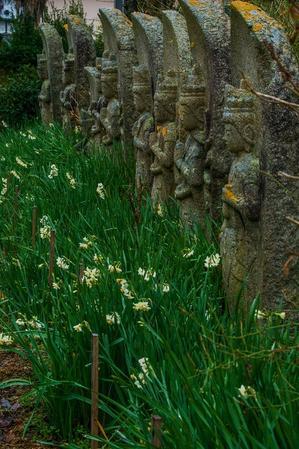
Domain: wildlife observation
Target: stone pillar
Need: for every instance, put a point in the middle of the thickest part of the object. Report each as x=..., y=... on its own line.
x=81, y=53
x=190, y=151
x=262, y=54
x=50, y=65
x=119, y=44
x=96, y=103
x=149, y=42
x=176, y=62
x=208, y=27
x=240, y=238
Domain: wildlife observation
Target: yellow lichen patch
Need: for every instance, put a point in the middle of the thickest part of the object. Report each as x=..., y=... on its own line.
x=195, y=3
x=229, y=194
x=77, y=20
x=66, y=27
x=257, y=27
x=192, y=44
x=162, y=130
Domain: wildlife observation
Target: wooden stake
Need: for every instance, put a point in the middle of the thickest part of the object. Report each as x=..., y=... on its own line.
x=51, y=258
x=156, y=431
x=33, y=226
x=94, y=389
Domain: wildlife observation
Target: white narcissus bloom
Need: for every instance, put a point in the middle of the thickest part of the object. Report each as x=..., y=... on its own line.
x=79, y=327
x=91, y=276
x=142, y=306
x=86, y=243
x=187, y=252
x=15, y=174
x=165, y=288
x=5, y=340
x=259, y=315
x=113, y=318
x=21, y=163
x=71, y=179
x=212, y=261
x=53, y=172
x=45, y=232
x=4, y=186
x=62, y=263
x=114, y=268
x=101, y=191
x=247, y=392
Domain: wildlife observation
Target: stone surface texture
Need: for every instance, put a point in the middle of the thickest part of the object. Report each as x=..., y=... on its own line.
x=240, y=241
x=50, y=64
x=96, y=102
x=149, y=44
x=177, y=61
x=261, y=52
x=190, y=150
x=208, y=27
x=119, y=41
x=81, y=53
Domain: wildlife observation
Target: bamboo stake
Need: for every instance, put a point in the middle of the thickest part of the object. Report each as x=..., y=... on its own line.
x=52, y=258
x=94, y=389
x=156, y=431
x=33, y=226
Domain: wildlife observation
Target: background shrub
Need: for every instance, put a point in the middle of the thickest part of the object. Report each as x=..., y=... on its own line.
x=19, y=96
x=19, y=82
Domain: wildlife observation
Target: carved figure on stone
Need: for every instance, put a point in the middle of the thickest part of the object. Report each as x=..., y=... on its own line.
x=240, y=234
x=190, y=154
x=162, y=142
x=44, y=97
x=110, y=110
x=68, y=95
x=49, y=65
x=93, y=112
x=142, y=128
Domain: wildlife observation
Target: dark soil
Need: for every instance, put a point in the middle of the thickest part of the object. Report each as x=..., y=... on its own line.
x=13, y=413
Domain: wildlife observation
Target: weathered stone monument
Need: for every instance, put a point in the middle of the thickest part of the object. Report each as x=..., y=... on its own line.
x=208, y=27
x=176, y=63
x=50, y=71
x=96, y=102
x=262, y=196
x=81, y=53
x=240, y=240
x=110, y=109
x=190, y=154
x=120, y=57
x=148, y=41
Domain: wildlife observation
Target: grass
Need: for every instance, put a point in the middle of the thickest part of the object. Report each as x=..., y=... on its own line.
x=182, y=357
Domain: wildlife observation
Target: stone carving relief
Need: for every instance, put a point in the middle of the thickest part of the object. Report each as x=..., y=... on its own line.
x=190, y=152
x=49, y=66
x=44, y=97
x=110, y=111
x=163, y=140
x=240, y=235
x=143, y=127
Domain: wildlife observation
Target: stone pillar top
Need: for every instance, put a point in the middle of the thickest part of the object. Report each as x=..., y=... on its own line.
x=176, y=43
x=148, y=32
x=117, y=30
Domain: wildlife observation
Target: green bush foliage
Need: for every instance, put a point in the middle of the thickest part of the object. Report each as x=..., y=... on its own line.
x=22, y=48
x=20, y=85
x=19, y=96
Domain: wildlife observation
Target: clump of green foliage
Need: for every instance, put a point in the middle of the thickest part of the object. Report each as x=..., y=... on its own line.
x=18, y=96
x=20, y=83
x=142, y=282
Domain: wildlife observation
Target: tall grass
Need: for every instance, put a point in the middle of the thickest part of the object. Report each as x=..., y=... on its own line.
x=181, y=357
